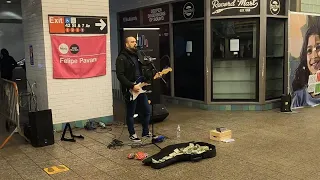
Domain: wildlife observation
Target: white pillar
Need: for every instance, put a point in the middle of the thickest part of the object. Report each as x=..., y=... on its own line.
x=70, y=100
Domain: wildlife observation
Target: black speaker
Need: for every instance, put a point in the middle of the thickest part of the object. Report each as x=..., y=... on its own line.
x=160, y=113
x=285, y=103
x=40, y=128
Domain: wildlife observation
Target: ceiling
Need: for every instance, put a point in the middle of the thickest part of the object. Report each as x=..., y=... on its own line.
x=12, y=2
x=10, y=10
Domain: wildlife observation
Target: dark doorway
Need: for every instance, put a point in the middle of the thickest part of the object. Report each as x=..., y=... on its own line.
x=189, y=60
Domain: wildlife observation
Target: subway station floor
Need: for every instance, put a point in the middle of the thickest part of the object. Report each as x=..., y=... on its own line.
x=268, y=145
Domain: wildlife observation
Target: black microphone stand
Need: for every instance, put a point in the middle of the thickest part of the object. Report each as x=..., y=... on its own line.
x=154, y=69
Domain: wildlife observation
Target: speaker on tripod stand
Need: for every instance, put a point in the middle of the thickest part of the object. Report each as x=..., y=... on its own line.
x=160, y=113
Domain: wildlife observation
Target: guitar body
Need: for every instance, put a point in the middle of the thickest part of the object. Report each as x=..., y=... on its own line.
x=134, y=95
x=141, y=82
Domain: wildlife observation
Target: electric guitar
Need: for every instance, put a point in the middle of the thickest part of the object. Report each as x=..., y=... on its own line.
x=139, y=82
x=163, y=72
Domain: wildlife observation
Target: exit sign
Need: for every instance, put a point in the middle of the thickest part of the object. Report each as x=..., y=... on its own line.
x=68, y=24
x=56, y=24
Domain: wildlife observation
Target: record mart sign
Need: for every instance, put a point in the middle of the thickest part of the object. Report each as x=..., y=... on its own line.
x=235, y=7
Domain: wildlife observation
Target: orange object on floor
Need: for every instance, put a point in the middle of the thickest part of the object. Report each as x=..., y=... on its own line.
x=141, y=155
x=137, y=156
x=130, y=156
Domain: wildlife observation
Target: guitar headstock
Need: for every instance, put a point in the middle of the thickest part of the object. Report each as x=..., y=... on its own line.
x=166, y=70
x=163, y=72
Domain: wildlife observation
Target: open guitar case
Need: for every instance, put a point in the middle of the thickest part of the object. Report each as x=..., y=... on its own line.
x=180, y=158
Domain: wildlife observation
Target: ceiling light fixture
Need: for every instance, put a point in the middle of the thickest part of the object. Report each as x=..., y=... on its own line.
x=8, y=1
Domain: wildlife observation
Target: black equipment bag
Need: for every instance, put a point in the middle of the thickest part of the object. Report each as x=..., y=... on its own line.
x=180, y=158
x=40, y=128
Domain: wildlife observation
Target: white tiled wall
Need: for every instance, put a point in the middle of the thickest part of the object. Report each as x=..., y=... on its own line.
x=79, y=99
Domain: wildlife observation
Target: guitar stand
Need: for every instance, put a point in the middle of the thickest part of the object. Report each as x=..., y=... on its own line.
x=68, y=126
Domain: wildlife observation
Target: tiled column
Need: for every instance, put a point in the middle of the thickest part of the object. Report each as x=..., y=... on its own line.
x=70, y=100
x=262, y=52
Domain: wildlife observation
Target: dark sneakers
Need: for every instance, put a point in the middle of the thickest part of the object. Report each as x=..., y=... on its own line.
x=149, y=135
x=134, y=138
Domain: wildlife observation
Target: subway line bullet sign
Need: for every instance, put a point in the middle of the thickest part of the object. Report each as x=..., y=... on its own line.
x=65, y=24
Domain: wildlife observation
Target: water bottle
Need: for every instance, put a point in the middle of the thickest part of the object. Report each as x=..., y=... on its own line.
x=102, y=125
x=178, y=132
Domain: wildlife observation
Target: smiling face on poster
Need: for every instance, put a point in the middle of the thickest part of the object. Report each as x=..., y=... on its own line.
x=304, y=37
x=78, y=57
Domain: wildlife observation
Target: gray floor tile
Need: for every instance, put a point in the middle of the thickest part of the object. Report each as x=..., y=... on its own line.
x=269, y=145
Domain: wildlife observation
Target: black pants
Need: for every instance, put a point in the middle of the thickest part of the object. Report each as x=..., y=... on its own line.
x=144, y=112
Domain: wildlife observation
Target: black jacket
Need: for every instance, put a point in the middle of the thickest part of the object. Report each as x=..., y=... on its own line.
x=126, y=70
x=7, y=65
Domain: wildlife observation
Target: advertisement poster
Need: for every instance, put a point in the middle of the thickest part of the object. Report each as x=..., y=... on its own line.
x=78, y=57
x=304, y=59
x=164, y=54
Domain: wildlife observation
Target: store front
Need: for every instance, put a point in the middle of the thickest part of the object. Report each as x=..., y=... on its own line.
x=226, y=55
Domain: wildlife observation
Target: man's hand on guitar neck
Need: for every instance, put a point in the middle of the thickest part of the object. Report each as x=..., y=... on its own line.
x=163, y=72
x=157, y=75
x=136, y=88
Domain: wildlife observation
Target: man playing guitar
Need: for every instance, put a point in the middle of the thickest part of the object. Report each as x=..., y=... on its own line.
x=128, y=69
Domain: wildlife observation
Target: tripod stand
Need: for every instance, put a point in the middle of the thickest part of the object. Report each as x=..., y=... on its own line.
x=154, y=71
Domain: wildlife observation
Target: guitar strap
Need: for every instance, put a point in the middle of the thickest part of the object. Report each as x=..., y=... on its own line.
x=147, y=72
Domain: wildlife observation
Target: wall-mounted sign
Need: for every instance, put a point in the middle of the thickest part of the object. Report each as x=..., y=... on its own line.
x=76, y=57
x=77, y=24
x=235, y=7
x=31, y=55
x=191, y=9
x=276, y=7
x=129, y=19
x=155, y=15
x=188, y=10
x=234, y=45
